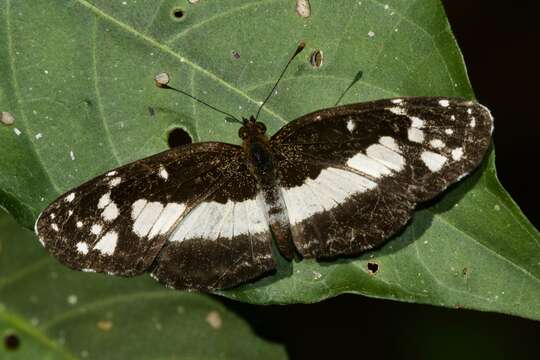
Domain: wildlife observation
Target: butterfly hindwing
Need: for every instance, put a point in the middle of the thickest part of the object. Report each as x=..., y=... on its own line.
x=351, y=175
x=118, y=222
x=224, y=240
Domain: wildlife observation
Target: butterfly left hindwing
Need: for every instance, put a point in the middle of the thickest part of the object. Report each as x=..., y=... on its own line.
x=352, y=175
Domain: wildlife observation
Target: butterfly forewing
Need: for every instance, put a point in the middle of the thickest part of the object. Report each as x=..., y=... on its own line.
x=118, y=222
x=351, y=175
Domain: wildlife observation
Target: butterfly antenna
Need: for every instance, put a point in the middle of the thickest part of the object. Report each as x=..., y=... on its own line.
x=299, y=49
x=162, y=82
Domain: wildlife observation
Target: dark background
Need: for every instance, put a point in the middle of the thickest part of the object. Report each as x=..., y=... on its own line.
x=500, y=42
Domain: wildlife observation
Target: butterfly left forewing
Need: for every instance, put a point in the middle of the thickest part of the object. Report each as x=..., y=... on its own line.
x=118, y=222
x=351, y=175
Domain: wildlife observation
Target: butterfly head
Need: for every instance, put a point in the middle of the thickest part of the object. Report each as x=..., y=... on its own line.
x=252, y=129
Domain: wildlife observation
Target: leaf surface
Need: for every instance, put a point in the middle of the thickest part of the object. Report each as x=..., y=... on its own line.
x=77, y=77
x=57, y=313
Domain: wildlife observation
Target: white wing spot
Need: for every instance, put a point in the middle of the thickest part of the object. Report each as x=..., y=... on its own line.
x=437, y=144
x=457, y=154
x=397, y=110
x=96, y=229
x=397, y=101
x=112, y=173
x=444, y=103
x=473, y=122
x=111, y=212
x=53, y=216
x=325, y=192
x=212, y=220
x=170, y=214
x=449, y=131
x=390, y=143
x=433, y=161
x=387, y=157
x=163, y=172
x=137, y=207
x=351, y=126
x=70, y=197
x=147, y=218
x=104, y=200
x=368, y=166
x=82, y=247
x=469, y=111
x=417, y=122
x=54, y=227
x=107, y=244
x=115, y=181
x=453, y=118
x=415, y=135
x=79, y=224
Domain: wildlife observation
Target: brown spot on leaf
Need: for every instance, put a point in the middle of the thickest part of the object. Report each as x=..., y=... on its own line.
x=105, y=325
x=214, y=320
x=7, y=118
x=162, y=79
x=303, y=8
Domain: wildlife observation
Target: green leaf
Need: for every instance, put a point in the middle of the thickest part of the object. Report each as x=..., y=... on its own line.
x=58, y=313
x=80, y=74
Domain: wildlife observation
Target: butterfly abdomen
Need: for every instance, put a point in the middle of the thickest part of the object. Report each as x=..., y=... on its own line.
x=260, y=160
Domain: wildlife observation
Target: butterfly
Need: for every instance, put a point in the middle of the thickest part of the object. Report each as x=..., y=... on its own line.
x=335, y=182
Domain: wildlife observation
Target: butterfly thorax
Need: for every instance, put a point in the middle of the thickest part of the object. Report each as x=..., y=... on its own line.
x=257, y=148
x=260, y=161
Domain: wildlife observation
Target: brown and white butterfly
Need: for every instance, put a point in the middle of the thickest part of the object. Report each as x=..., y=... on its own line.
x=332, y=183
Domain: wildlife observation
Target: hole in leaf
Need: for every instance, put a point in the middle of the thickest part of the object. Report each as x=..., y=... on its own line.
x=316, y=59
x=151, y=111
x=178, y=14
x=236, y=54
x=178, y=137
x=12, y=342
x=372, y=267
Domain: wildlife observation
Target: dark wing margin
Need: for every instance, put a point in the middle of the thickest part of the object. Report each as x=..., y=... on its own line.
x=352, y=175
x=118, y=222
